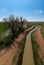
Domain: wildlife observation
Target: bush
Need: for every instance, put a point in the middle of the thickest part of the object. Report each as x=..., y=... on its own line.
x=6, y=41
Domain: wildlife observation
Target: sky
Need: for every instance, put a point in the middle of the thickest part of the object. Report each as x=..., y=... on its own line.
x=32, y=10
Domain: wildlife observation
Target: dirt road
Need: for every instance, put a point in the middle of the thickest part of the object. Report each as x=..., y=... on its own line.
x=40, y=42
x=28, y=53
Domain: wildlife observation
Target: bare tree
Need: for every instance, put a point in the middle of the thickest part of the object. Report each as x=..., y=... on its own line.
x=21, y=24
x=15, y=25
x=12, y=24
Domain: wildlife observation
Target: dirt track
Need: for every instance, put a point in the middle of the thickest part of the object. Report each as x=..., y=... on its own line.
x=40, y=42
x=28, y=52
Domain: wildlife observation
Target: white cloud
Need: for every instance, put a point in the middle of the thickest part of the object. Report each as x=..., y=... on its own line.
x=41, y=11
x=38, y=11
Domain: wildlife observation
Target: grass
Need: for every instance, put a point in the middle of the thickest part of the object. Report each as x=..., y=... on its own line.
x=35, y=46
x=2, y=27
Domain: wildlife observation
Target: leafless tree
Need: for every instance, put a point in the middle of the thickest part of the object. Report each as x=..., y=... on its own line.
x=12, y=24
x=21, y=24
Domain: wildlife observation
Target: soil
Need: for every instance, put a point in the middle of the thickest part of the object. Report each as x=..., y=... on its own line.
x=40, y=40
x=28, y=52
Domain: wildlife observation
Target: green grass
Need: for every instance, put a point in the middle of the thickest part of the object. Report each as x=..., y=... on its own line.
x=2, y=27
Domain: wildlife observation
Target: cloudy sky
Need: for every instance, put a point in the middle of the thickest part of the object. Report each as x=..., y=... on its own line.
x=29, y=9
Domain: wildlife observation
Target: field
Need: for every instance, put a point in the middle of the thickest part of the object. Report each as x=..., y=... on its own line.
x=6, y=38
x=38, y=44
